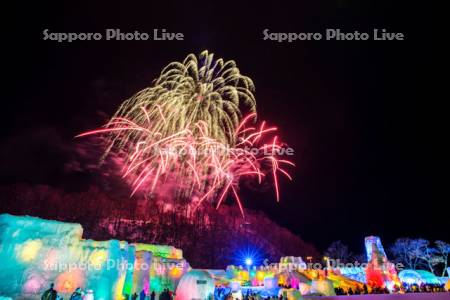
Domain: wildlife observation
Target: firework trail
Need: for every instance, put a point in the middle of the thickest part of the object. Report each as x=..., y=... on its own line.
x=186, y=132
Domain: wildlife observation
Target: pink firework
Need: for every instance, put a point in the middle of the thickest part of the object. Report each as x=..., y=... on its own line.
x=190, y=163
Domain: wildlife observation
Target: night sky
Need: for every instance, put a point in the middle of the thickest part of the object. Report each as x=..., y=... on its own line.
x=367, y=129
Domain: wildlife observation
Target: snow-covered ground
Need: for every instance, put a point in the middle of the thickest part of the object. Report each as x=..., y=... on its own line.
x=421, y=296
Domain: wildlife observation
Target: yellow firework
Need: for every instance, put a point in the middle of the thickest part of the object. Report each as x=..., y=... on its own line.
x=200, y=89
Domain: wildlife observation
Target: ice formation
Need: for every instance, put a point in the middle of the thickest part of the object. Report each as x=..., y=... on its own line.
x=380, y=272
x=418, y=277
x=196, y=284
x=35, y=252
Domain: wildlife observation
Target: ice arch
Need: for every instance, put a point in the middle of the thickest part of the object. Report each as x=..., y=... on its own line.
x=195, y=284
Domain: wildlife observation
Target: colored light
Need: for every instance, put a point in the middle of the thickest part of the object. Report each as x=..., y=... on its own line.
x=175, y=272
x=248, y=261
x=235, y=286
x=260, y=276
x=97, y=258
x=243, y=276
x=34, y=284
x=248, y=255
x=67, y=282
x=30, y=250
x=270, y=283
x=51, y=260
x=156, y=284
x=119, y=287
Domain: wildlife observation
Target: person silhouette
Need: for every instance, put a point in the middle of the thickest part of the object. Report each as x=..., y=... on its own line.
x=142, y=295
x=50, y=294
x=77, y=294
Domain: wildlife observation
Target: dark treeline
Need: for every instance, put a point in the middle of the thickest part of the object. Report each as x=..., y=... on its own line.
x=209, y=238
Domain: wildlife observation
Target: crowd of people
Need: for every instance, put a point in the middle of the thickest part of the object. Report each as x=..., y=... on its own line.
x=407, y=288
x=358, y=291
x=79, y=294
x=424, y=288
x=166, y=294
x=256, y=296
x=413, y=288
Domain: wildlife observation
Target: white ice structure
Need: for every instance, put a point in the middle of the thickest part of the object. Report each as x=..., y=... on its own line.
x=35, y=252
x=196, y=284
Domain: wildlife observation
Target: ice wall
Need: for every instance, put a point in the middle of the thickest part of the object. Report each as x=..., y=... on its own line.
x=35, y=252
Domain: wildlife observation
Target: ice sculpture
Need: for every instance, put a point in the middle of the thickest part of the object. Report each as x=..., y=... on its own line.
x=380, y=272
x=354, y=273
x=35, y=252
x=371, y=243
x=196, y=284
x=418, y=277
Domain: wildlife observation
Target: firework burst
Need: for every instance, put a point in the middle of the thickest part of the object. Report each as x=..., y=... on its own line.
x=197, y=89
x=186, y=134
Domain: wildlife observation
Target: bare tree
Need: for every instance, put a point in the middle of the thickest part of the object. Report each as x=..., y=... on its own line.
x=409, y=251
x=207, y=236
x=443, y=249
x=360, y=257
x=428, y=255
x=338, y=251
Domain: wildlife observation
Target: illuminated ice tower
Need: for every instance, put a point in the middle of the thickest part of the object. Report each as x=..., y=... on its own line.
x=374, y=243
x=380, y=272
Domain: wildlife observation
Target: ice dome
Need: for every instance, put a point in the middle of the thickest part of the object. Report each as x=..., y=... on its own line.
x=195, y=284
x=418, y=277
